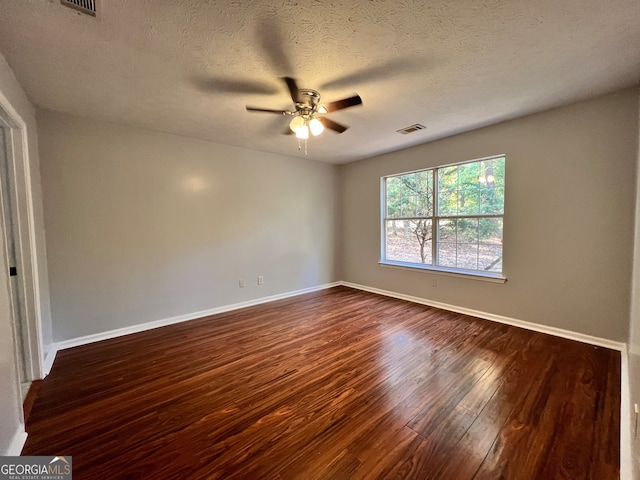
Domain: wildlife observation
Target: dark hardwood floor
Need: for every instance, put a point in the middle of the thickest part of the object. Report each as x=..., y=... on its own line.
x=331, y=385
x=27, y=404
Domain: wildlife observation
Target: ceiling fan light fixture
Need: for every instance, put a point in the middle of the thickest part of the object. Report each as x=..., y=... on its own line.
x=316, y=127
x=296, y=123
x=306, y=113
x=302, y=132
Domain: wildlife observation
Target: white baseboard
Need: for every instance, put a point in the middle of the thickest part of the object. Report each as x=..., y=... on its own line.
x=626, y=459
x=49, y=358
x=558, y=332
x=74, y=342
x=17, y=442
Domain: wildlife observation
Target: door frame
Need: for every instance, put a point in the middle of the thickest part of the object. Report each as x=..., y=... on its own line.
x=17, y=144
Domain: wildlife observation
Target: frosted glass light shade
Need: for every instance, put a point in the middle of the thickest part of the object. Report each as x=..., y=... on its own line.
x=303, y=132
x=296, y=124
x=316, y=126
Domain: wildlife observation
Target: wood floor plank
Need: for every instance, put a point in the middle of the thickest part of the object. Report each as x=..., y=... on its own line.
x=472, y=449
x=329, y=385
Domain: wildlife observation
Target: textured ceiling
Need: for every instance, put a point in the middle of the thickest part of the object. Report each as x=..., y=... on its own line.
x=189, y=67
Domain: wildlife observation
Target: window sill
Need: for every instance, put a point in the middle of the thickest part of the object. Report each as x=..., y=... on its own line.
x=470, y=274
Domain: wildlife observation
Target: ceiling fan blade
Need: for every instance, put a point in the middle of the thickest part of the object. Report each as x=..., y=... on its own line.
x=344, y=103
x=272, y=124
x=273, y=42
x=268, y=110
x=293, y=88
x=382, y=71
x=331, y=125
x=227, y=85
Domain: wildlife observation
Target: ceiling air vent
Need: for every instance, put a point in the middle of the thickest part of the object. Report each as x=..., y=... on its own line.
x=84, y=6
x=411, y=128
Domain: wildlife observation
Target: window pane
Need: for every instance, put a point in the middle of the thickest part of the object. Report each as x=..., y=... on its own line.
x=447, y=243
x=394, y=196
x=468, y=175
x=490, y=248
x=491, y=201
x=409, y=206
x=448, y=191
x=409, y=241
x=491, y=182
x=425, y=206
x=490, y=231
x=471, y=243
x=467, y=230
x=424, y=189
x=447, y=254
x=495, y=168
x=410, y=195
x=490, y=258
x=472, y=189
x=448, y=202
x=468, y=201
x=467, y=243
x=458, y=245
x=467, y=256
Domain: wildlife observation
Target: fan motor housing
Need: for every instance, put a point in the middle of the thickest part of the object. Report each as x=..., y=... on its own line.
x=308, y=99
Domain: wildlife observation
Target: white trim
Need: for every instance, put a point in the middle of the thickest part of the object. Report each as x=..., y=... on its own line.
x=452, y=164
x=17, y=442
x=49, y=358
x=18, y=126
x=626, y=465
x=74, y=342
x=24, y=389
x=450, y=272
x=558, y=332
x=434, y=218
x=35, y=272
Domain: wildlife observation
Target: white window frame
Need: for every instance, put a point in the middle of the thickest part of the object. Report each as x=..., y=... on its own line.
x=497, y=277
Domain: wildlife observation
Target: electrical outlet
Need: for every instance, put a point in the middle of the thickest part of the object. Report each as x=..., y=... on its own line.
x=434, y=282
x=241, y=283
x=260, y=280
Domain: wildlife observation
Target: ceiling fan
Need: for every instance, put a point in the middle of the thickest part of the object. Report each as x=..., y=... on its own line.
x=308, y=110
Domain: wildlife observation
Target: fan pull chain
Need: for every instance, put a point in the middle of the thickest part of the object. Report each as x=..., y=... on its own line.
x=305, y=146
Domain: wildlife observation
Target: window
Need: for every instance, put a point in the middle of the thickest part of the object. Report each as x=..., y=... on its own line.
x=447, y=218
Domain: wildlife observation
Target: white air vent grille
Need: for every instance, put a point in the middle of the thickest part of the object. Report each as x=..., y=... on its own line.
x=84, y=6
x=411, y=128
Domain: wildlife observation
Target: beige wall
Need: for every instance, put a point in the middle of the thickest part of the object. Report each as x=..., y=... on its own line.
x=144, y=226
x=568, y=231
x=10, y=411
